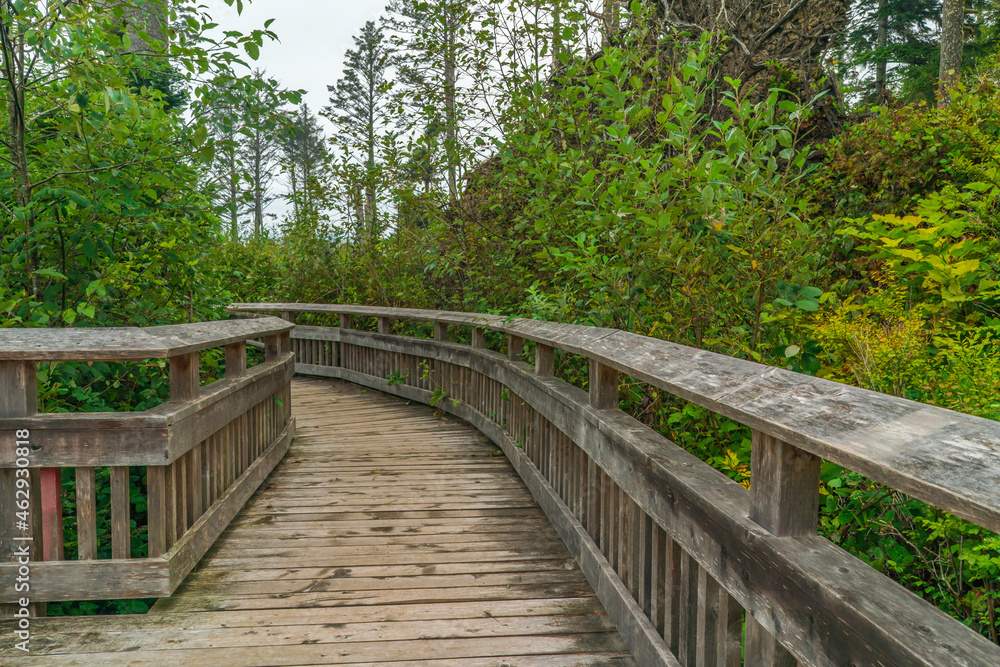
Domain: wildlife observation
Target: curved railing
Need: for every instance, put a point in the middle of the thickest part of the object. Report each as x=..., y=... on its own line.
x=678, y=553
x=205, y=451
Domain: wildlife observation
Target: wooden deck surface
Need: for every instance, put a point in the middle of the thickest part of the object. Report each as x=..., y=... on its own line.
x=387, y=536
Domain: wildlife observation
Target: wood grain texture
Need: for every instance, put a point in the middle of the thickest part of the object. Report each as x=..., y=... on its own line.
x=948, y=459
x=128, y=343
x=433, y=586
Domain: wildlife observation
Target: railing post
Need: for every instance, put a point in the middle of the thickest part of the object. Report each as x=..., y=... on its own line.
x=236, y=359
x=441, y=332
x=784, y=500
x=19, y=398
x=603, y=386
x=545, y=360
x=384, y=326
x=345, y=321
x=478, y=338
x=272, y=347
x=515, y=346
x=185, y=377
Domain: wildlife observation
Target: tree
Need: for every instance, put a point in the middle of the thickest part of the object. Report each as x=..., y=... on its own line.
x=103, y=218
x=894, y=39
x=437, y=66
x=952, y=40
x=304, y=156
x=359, y=106
x=259, y=144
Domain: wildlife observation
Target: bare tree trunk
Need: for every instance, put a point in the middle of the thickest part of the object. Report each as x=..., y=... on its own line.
x=557, y=45
x=952, y=40
x=882, y=42
x=611, y=21
x=258, y=194
x=12, y=50
x=451, y=121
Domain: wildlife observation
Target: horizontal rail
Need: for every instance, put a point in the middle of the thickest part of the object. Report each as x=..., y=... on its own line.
x=130, y=343
x=202, y=454
x=677, y=551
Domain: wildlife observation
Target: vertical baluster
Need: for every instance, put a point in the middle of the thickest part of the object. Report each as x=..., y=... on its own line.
x=157, y=486
x=170, y=495
x=784, y=500
x=121, y=512
x=181, y=496
x=643, y=563
x=688, y=611
x=593, y=499
x=86, y=514
x=193, y=474
x=672, y=557
x=657, y=583
x=720, y=623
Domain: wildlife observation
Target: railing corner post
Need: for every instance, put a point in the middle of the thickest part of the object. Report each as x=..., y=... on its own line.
x=784, y=500
x=19, y=398
x=272, y=347
x=185, y=376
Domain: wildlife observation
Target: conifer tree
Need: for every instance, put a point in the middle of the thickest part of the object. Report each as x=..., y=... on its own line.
x=360, y=108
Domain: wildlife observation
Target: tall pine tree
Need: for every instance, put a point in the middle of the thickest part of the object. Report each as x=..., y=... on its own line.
x=360, y=109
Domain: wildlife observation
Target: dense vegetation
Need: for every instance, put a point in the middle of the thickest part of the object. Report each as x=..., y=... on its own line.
x=536, y=161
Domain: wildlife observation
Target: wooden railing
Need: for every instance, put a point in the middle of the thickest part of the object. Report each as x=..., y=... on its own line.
x=693, y=568
x=204, y=453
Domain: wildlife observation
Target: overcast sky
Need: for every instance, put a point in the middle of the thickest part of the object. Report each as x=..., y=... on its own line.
x=313, y=36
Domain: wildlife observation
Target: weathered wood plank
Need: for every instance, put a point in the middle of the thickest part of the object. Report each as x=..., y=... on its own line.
x=126, y=343
x=121, y=506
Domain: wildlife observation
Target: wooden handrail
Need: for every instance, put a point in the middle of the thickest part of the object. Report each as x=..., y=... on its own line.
x=948, y=459
x=678, y=552
x=205, y=451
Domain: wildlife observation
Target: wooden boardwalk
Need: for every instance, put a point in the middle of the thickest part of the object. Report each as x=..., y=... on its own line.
x=388, y=536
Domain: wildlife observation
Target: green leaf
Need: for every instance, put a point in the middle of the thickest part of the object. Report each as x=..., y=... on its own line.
x=807, y=305
x=792, y=350
x=50, y=273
